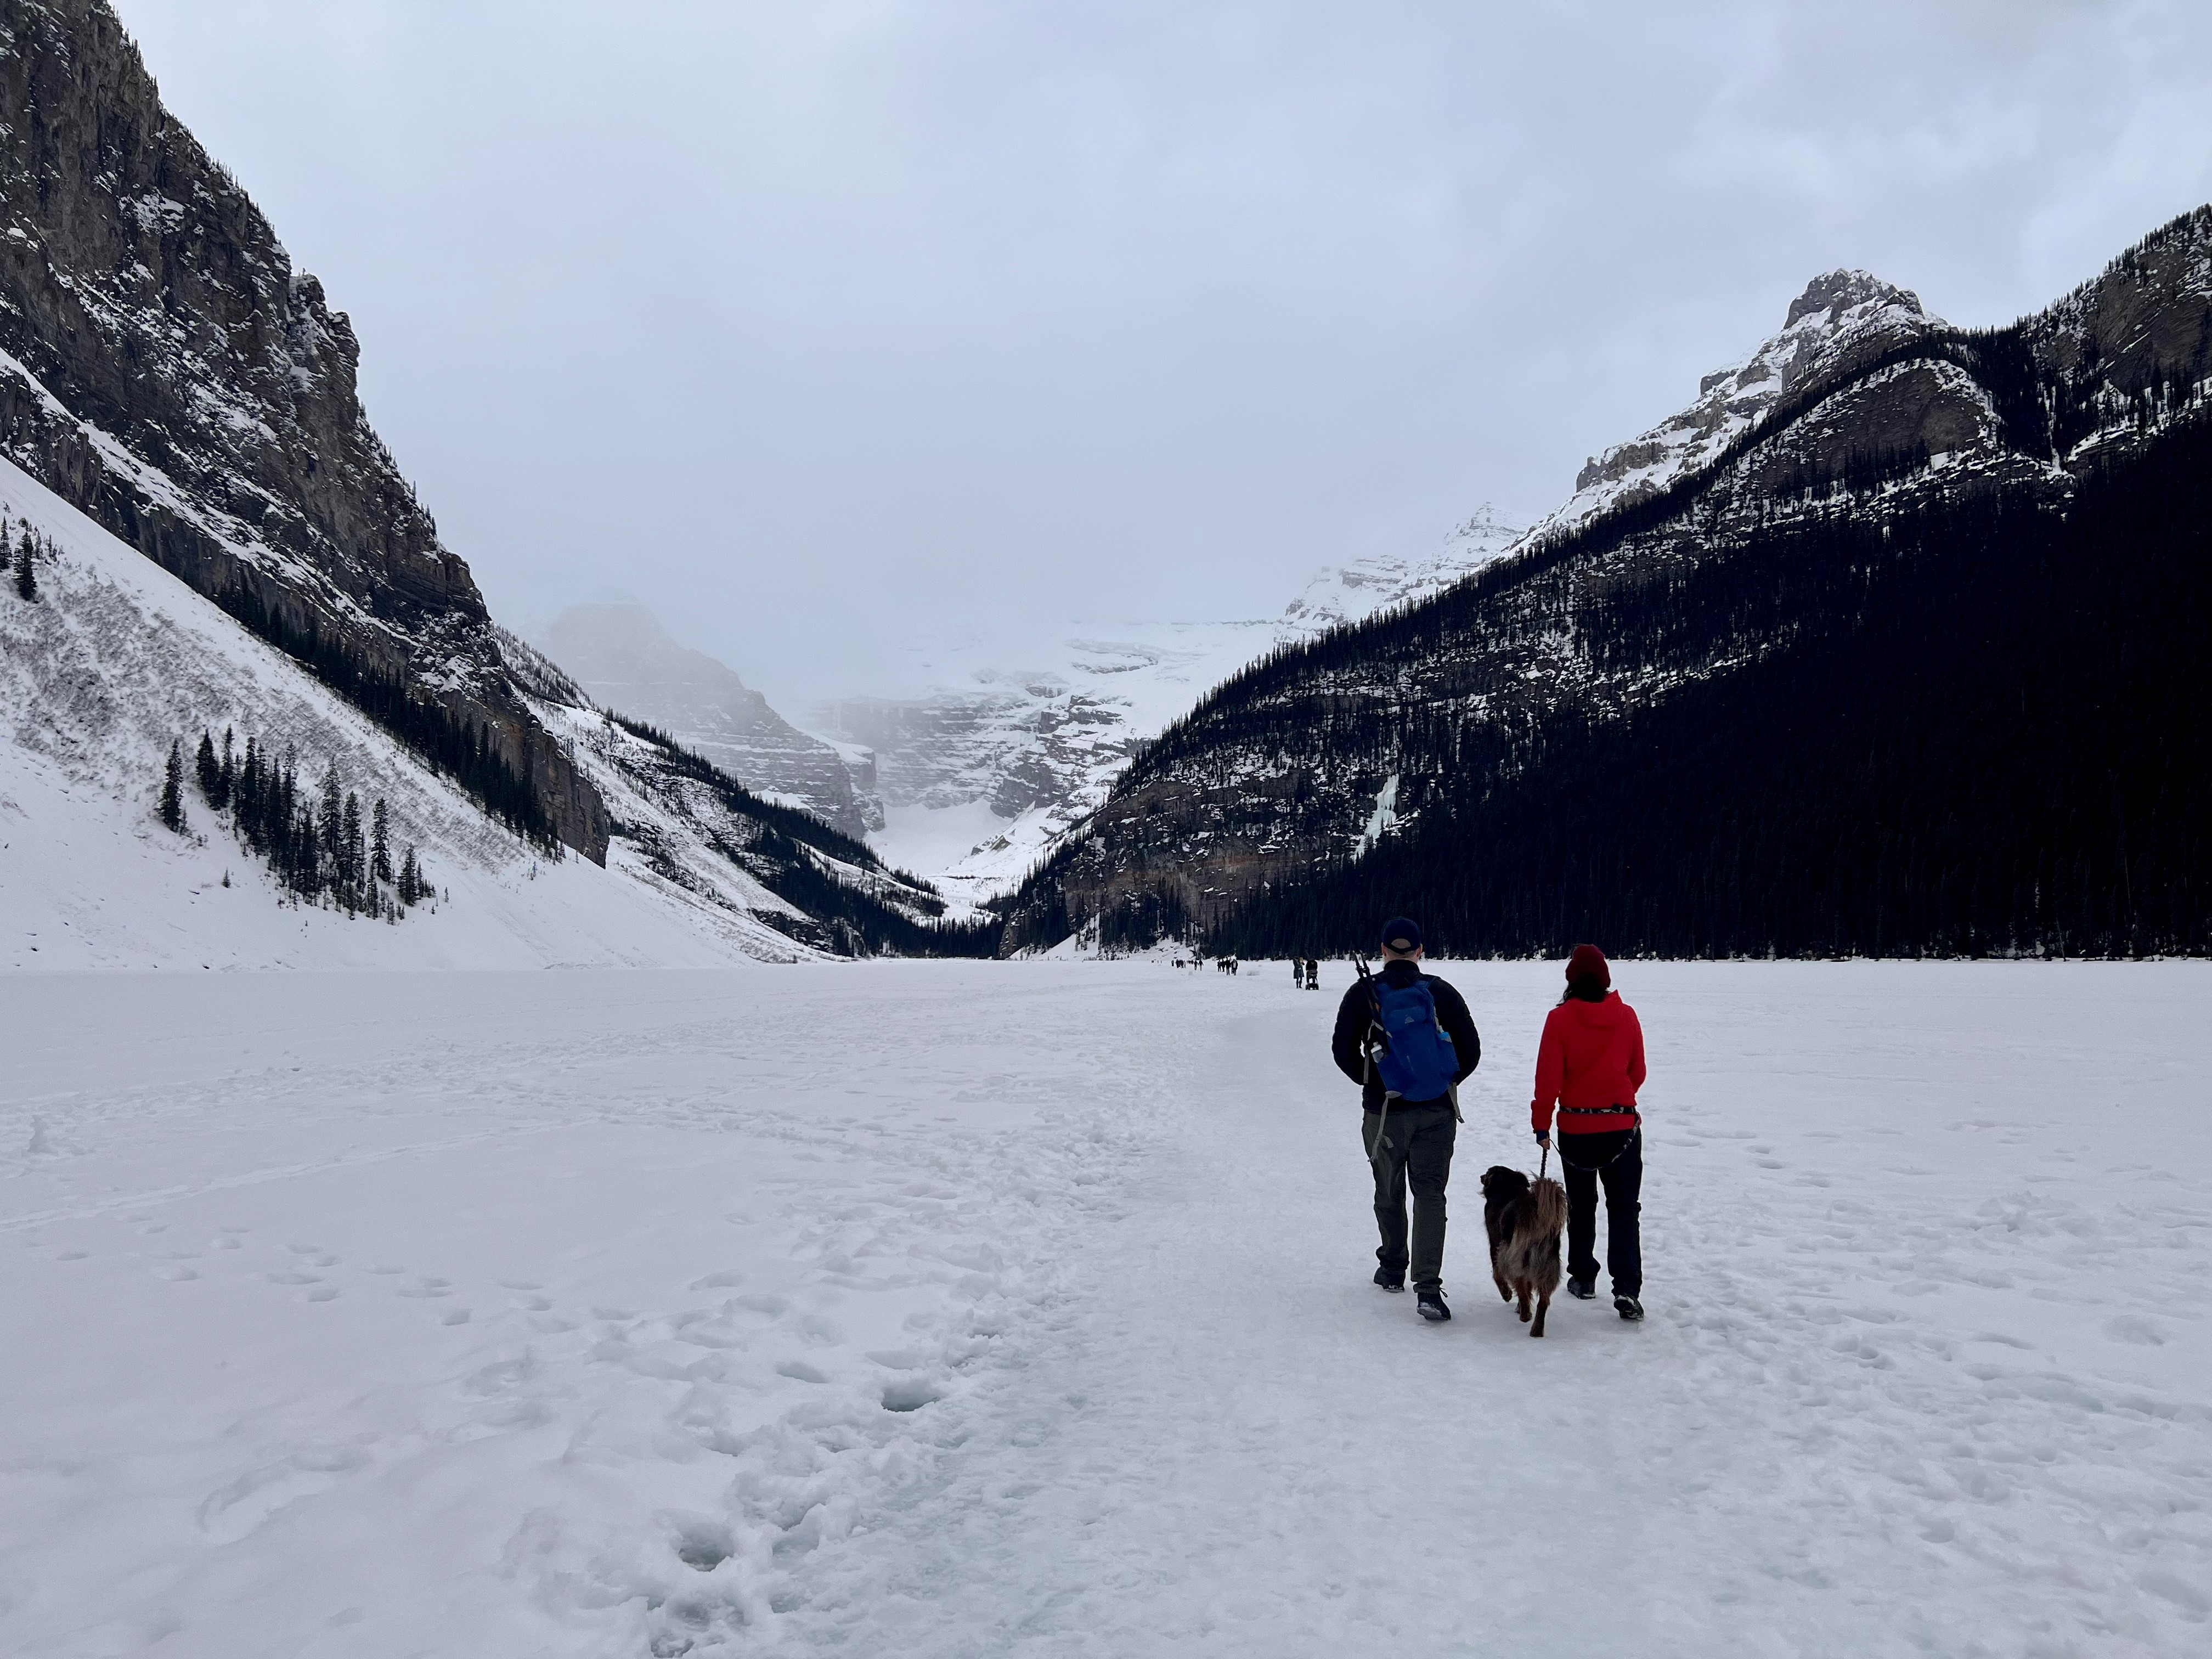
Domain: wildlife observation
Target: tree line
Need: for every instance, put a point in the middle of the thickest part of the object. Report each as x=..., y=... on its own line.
x=463, y=749
x=316, y=840
x=1983, y=735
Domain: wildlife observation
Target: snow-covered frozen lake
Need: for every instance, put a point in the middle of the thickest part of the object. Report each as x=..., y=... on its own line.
x=963, y=1310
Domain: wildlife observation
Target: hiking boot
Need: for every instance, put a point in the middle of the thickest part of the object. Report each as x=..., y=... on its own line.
x=1628, y=1308
x=1432, y=1306
x=1390, y=1278
x=1583, y=1290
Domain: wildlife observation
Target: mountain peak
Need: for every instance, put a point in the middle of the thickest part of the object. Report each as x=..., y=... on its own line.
x=1839, y=291
x=1843, y=317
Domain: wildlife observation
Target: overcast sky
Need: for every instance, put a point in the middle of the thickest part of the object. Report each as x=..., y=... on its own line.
x=815, y=324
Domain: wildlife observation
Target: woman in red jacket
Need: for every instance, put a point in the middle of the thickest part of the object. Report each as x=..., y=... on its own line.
x=1590, y=1063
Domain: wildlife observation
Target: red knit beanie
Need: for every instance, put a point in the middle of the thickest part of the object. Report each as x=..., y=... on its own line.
x=1589, y=963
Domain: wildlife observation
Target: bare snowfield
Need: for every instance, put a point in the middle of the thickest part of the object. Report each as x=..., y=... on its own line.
x=957, y=1309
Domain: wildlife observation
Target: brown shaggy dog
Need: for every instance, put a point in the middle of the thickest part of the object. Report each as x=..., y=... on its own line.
x=1524, y=1219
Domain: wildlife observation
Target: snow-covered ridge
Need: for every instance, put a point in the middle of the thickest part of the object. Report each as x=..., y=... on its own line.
x=983, y=774
x=1353, y=591
x=1843, y=317
x=623, y=659
x=115, y=660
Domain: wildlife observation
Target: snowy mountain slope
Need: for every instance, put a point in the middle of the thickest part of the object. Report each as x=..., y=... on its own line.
x=684, y=824
x=116, y=659
x=622, y=658
x=982, y=772
x=1354, y=592
x=1772, y=549
x=1011, y=761
x=165, y=368
x=1842, y=318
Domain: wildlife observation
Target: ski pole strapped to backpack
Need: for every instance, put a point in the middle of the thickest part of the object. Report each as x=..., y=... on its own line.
x=1413, y=1053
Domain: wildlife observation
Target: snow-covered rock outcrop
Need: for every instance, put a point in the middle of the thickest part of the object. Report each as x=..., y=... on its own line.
x=1843, y=317
x=165, y=368
x=1353, y=591
x=114, y=660
x=1681, y=562
x=982, y=773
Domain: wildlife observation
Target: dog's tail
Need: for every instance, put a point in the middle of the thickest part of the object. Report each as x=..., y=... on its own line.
x=1550, y=1202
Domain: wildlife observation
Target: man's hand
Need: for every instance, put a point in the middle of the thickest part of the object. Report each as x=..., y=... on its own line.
x=1543, y=1137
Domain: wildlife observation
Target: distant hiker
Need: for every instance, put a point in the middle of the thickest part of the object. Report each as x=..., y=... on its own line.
x=1406, y=1039
x=1590, y=1063
x=1298, y=972
x=1313, y=975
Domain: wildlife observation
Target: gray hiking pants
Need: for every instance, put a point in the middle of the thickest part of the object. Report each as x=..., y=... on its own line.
x=1416, y=1150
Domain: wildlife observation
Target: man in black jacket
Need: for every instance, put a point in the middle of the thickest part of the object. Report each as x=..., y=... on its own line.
x=1407, y=1141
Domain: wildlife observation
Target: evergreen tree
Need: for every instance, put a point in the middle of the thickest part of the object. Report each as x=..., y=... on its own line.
x=173, y=793
x=27, y=581
x=331, y=819
x=226, y=778
x=351, y=860
x=411, y=890
x=379, y=844
x=209, y=773
x=247, y=792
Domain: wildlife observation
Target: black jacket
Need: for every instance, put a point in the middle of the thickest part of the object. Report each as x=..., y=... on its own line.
x=1357, y=1012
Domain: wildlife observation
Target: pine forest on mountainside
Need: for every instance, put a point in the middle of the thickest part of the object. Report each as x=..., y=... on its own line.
x=1906, y=778
x=1824, y=695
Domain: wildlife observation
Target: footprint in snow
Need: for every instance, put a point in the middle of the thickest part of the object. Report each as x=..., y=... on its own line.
x=799, y=1371
x=315, y=1254
x=428, y=1287
x=294, y=1279
x=909, y=1394
x=458, y=1317
x=177, y=1275
x=323, y=1293
x=520, y=1284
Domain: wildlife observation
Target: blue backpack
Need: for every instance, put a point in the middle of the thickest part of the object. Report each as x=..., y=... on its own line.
x=1415, y=1059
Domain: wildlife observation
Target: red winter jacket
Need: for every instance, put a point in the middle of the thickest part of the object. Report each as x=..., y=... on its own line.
x=1592, y=1055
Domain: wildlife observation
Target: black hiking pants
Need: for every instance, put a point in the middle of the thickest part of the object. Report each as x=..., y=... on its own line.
x=1416, y=1151
x=1615, y=1159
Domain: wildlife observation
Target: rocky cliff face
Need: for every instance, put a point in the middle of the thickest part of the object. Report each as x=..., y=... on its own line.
x=165, y=369
x=1860, y=412
x=1844, y=317
x=623, y=659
